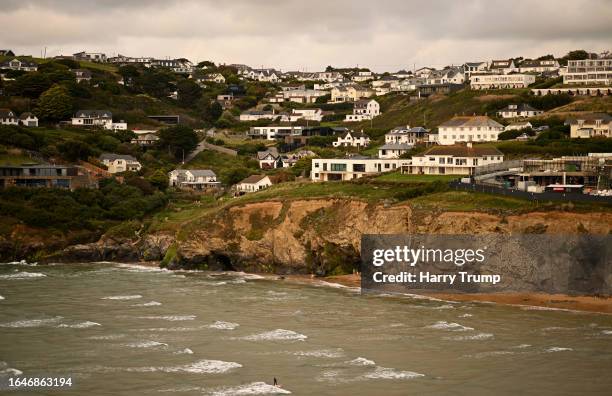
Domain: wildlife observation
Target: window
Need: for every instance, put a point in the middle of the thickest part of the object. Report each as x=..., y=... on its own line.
x=442, y=160
x=359, y=168
x=316, y=165
x=338, y=167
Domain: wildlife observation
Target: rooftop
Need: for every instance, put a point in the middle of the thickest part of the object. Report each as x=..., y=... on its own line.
x=463, y=151
x=471, y=121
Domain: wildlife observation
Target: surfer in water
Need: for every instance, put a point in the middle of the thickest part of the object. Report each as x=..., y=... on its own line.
x=275, y=382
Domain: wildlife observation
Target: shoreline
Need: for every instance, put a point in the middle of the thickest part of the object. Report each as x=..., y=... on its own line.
x=542, y=300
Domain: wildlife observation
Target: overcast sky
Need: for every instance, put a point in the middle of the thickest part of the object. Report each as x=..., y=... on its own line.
x=385, y=35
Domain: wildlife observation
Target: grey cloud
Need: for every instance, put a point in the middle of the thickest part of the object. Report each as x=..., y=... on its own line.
x=313, y=33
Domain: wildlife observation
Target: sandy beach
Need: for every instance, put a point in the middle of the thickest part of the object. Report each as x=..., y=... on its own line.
x=554, y=301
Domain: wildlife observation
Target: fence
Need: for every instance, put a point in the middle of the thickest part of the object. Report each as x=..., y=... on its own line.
x=544, y=196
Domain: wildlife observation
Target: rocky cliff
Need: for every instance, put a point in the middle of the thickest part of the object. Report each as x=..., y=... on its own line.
x=314, y=236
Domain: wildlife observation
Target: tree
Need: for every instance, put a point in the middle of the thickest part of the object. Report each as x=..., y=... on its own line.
x=129, y=73
x=576, y=55
x=30, y=85
x=74, y=150
x=55, y=104
x=159, y=179
x=188, y=93
x=178, y=140
x=204, y=64
x=156, y=83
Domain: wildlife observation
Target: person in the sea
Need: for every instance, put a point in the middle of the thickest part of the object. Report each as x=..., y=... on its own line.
x=275, y=382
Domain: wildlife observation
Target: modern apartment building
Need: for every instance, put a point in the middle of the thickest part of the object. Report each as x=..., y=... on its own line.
x=468, y=129
x=589, y=71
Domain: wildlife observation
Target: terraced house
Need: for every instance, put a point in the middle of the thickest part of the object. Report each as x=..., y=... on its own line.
x=469, y=129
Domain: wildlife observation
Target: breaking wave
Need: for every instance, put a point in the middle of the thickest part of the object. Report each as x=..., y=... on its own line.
x=254, y=388
x=199, y=367
x=80, y=325
x=389, y=373
x=221, y=325
x=32, y=322
x=276, y=335
x=23, y=275
x=130, y=297
x=443, y=325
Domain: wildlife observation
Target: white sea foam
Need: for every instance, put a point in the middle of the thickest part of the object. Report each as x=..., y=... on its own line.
x=1, y=298
x=558, y=349
x=32, y=322
x=171, y=318
x=185, y=351
x=221, y=325
x=5, y=370
x=479, y=336
x=21, y=262
x=244, y=275
x=522, y=346
x=466, y=315
x=389, y=373
x=254, y=388
x=141, y=268
x=443, y=325
x=128, y=297
x=168, y=329
x=360, y=361
x=107, y=337
x=321, y=353
x=148, y=304
x=489, y=354
x=80, y=325
x=147, y=344
x=199, y=367
x=606, y=332
x=23, y=275
x=276, y=335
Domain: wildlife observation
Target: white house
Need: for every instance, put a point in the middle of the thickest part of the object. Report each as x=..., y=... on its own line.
x=8, y=117
x=468, y=129
x=362, y=75
x=539, y=66
x=303, y=114
x=449, y=75
x=145, y=139
x=517, y=126
x=81, y=75
x=28, y=120
x=453, y=160
x=194, y=179
x=591, y=125
x=101, y=118
x=499, y=81
x=407, y=135
x=298, y=96
x=393, y=150
x=253, y=183
x=423, y=72
x=273, y=132
x=267, y=75
x=19, y=64
x=217, y=77
x=470, y=68
x=117, y=163
x=254, y=115
x=352, y=139
x=350, y=93
x=522, y=110
x=363, y=110
x=90, y=56
x=505, y=66
x=595, y=72
x=341, y=169
x=269, y=159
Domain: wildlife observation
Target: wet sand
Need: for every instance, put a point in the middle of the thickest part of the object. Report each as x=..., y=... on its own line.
x=556, y=301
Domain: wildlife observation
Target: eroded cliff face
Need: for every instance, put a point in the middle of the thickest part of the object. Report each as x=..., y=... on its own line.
x=320, y=236
x=324, y=236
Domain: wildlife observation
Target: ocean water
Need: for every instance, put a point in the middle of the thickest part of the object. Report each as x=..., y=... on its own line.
x=121, y=329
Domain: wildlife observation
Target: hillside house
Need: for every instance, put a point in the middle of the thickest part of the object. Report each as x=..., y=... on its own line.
x=19, y=64
x=407, y=135
x=501, y=81
x=90, y=56
x=591, y=125
x=453, y=160
x=364, y=109
x=517, y=126
x=352, y=139
x=81, y=75
x=350, y=93
x=255, y=115
x=521, y=110
x=28, y=120
x=8, y=117
x=393, y=150
x=355, y=167
x=193, y=179
x=253, y=183
x=117, y=163
x=468, y=129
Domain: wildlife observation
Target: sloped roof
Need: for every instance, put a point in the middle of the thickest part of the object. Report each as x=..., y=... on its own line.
x=591, y=118
x=463, y=151
x=6, y=113
x=395, y=146
x=253, y=179
x=113, y=157
x=471, y=121
x=93, y=114
x=202, y=172
x=519, y=108
x=26, y=115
